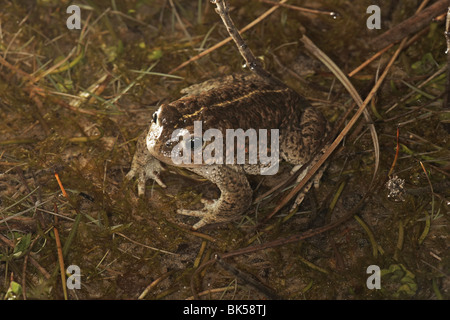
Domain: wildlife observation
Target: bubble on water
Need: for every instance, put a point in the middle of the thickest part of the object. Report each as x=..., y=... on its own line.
x=334, y=15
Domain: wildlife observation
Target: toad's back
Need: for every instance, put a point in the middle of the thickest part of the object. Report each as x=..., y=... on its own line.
x=237, y=102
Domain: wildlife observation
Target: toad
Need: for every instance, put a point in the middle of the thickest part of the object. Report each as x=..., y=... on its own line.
x=233, y=102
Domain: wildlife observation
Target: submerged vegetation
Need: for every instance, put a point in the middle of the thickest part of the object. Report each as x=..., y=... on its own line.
x=73, y=101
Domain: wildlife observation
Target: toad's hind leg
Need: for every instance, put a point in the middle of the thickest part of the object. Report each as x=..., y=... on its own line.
x=235, y=198
x=300, y=146
x=314, y=181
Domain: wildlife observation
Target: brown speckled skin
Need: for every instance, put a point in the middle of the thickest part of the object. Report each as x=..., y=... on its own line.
x=232, y=102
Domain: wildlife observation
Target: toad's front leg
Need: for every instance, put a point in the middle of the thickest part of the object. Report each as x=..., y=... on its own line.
x=235, y=198
x=144, y=166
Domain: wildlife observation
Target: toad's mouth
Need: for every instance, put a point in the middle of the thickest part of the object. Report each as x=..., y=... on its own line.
x=153, y=136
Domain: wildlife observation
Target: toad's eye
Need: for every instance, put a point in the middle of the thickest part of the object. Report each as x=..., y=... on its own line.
x=155, y=117
x=194, y=143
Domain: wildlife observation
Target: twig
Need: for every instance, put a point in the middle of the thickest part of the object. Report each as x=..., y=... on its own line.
x=200, y=254
x=225, y=41
x=209, y=291
x=369, y=232
x=409, y=26
x=61, y=186
x=323, y=156
x=396, y=153
x=24, y=279
x=400, y=240
x=314, y=11
x=32, y=260
x=177, y=16
x=279, y=242
x=60, y=256
x=311, y=47
x=362, y=106
x=447, y=37
x=16, y=70
x=143, y=245
x=432, y=77
x=153, y=284
x=251, y=61
x=248, y=279
x=368, y=61
x=428, y=218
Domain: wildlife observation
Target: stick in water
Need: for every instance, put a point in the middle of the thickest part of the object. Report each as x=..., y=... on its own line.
x=251, y=61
